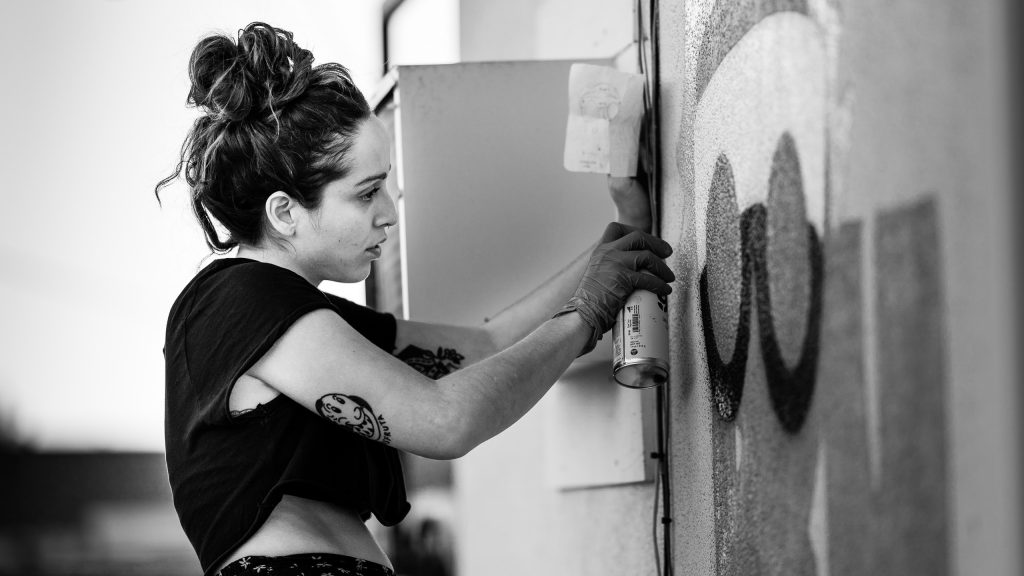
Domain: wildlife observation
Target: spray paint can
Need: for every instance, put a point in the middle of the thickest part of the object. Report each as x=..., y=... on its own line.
x=640, y=341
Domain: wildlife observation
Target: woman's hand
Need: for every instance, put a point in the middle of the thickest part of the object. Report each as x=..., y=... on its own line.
x=632, y=205
x=625, y=260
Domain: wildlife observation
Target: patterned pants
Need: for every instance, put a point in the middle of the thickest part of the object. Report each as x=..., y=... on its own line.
x=304, y=565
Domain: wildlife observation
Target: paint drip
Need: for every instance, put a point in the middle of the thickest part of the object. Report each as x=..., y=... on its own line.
x=640, y=341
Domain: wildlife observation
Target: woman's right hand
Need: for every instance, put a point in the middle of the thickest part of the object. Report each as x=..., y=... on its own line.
x=625, y=260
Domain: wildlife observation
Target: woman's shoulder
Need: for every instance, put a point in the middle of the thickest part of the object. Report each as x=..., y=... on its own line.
x=235, y=270
x=247, y=275
x=231, y=284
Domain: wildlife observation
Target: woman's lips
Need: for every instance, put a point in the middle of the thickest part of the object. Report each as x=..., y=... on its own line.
x=375, y=249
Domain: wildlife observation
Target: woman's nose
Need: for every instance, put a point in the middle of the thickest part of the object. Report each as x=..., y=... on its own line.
x=388, y=216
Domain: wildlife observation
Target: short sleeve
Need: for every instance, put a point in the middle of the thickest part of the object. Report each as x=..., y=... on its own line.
x=377, y=327
x=239, y=309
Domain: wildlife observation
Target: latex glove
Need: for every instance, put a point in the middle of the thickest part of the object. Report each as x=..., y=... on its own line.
x=625, y=260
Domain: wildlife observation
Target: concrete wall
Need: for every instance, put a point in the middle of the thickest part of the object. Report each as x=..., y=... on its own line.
x=835, y=183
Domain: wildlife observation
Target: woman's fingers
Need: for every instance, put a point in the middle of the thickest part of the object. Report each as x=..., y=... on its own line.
x=647, y=260
x=626, y=260
x=651, y=283
x=637, y=240
x=613, y=231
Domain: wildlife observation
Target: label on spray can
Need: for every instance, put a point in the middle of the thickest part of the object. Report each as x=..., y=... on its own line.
x=640, y=341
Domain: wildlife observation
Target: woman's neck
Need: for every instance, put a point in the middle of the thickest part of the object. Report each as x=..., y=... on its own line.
x=276, y=257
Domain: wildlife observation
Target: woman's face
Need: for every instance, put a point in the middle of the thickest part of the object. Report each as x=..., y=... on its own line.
x=338, y=240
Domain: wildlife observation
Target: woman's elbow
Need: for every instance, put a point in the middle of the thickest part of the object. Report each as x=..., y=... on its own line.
x=494, y=338
x=452, y=437
x=451, y=452
x=447, y=447
x=459, y=439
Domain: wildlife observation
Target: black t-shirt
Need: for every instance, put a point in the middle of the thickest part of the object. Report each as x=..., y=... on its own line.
x=227, y=473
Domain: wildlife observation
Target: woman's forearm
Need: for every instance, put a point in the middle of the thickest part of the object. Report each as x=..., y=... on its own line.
x=489, y=396
x=526, y=314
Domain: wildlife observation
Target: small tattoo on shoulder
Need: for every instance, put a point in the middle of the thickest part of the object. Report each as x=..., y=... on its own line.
x=355, y=414
x=432, y=364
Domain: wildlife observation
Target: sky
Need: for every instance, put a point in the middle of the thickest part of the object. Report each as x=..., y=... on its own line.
x=90, y=263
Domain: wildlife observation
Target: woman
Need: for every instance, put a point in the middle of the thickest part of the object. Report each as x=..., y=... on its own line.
x=286, y=405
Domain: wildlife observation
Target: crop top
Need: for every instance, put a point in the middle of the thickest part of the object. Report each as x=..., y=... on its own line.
x=228, y=472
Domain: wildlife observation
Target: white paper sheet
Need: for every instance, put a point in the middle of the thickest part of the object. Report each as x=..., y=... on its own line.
x=605, y=110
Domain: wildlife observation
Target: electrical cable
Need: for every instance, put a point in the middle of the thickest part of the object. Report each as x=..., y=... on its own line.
x=665, y=410
x=654, y=523
x=651, y=97
x=639, y=37
x=663, y=393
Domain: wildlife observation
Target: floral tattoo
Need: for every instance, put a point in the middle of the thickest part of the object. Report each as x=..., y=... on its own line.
x=432, y=364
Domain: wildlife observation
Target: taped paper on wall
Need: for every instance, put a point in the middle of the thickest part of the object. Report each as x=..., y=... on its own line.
x=605, y=110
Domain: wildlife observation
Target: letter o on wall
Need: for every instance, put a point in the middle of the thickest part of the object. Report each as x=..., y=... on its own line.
x=760, y=147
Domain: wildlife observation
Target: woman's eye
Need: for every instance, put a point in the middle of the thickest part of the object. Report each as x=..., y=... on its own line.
x=369, y=194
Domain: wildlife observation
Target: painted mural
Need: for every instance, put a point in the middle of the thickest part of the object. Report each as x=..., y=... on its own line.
x=823, y=351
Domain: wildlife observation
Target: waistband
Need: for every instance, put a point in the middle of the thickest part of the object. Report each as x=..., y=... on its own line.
x=298, y=564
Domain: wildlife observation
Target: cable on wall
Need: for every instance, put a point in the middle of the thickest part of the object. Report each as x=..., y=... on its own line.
x=647, y=39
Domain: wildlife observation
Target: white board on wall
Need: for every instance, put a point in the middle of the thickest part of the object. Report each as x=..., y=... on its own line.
x=490, y=214
x=599, y=432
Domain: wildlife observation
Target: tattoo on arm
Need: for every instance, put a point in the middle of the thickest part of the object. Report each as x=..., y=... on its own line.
x=432, y=364
x=355, y=414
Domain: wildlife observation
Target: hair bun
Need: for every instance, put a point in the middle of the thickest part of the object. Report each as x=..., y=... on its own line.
x=253, y=78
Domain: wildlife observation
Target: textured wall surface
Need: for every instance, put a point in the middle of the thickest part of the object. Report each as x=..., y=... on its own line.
x=828, y=190
x=841, y=396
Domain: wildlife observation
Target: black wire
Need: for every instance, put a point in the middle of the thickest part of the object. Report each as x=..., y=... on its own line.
x=663, y=467
x=638, y=39
x=652, y=83
x=654, y=520
x=664, y=429
x=662, y=479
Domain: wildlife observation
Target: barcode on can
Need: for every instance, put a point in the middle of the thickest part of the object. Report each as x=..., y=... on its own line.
x=636, y=320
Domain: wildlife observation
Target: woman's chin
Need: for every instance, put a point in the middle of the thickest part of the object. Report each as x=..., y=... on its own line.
x=353, y=275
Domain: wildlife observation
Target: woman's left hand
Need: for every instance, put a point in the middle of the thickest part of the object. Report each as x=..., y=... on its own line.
x=632, y=205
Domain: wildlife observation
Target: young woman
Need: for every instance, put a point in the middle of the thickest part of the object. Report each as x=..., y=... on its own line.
x=285, y=405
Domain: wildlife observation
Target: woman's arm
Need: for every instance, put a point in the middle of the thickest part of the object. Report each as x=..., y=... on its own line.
x=328, y=367
x=322, y=363
x=436, y=349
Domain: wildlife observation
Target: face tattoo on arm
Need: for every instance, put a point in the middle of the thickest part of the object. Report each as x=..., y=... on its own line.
x=355, y=414
x=432, y=364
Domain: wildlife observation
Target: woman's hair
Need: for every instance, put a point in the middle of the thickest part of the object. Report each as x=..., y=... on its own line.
x=272, y=121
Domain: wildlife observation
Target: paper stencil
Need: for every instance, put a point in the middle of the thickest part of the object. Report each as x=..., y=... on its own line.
x=605, y=109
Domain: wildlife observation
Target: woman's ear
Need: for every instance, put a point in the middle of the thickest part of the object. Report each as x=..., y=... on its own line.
x=282, y=213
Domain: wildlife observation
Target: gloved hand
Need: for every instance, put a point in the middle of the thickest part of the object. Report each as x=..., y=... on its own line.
x=625, y=260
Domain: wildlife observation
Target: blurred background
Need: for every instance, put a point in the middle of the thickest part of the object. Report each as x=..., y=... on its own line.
x=913, y=99
x=96, y=97
x=95, y=91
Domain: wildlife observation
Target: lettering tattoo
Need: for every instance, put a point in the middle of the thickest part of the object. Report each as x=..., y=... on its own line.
x=432, y=364
x=355, y=414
